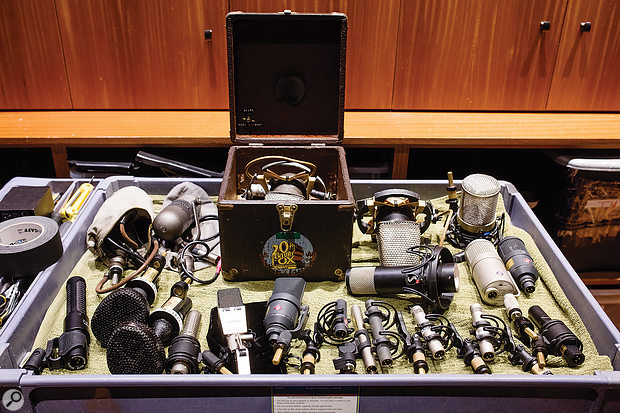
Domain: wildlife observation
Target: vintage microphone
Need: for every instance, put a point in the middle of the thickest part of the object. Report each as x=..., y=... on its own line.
x=476, y=217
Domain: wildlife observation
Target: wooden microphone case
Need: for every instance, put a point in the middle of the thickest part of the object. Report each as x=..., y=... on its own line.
x=286, y=74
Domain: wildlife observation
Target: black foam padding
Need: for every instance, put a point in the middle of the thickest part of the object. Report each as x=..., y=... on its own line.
x=229, y=297
x=122, y=305
x=261, y=353
x=134, y=348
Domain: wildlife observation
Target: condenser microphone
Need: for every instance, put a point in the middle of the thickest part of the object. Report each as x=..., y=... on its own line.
x=286, y=317
x=476, y=216
x=394, y=223
x=488, y=271
x=435, y=278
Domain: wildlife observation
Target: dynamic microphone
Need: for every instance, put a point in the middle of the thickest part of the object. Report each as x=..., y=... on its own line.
x=137, y=348
x=476, y=216
x=488, y=272
x=70, y=350
x=131, y=303
x=175, y=218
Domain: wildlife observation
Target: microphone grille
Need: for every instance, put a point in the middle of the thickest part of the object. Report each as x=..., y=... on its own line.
x=135, y=349
x=361, y=280
x=393, y=239
x=479, y=249
x=479, y=199
x=125, y=304
x=282, y=196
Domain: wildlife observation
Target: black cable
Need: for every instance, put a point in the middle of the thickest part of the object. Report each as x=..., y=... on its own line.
x=183, y=266
x=324, y=327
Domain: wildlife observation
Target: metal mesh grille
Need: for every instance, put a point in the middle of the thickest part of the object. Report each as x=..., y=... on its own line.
x=125, y=304
x=510, y=244
x=279, y=196
x=361, y=280
x=478, y=249
x=479, y=199
x=76, y=295
x=285, y=192
x=393, y=239
x=135, y=349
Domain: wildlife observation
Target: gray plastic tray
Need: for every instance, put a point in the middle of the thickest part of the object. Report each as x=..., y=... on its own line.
x=375, y=393
x=23, y=324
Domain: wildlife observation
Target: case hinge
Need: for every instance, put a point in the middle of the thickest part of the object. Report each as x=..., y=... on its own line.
x=287, y=214
x=255, y=144
x=318, y=144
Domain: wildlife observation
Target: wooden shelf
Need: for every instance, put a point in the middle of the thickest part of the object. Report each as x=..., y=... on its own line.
x=399, y=130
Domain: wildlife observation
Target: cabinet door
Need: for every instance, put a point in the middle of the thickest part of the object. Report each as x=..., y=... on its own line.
x=587, y=72
x=371, y=43
x=145, y=54
x=32, y=73
x=476, y=54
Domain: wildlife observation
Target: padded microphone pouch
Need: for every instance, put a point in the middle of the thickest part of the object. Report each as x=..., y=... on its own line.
x=261, y=352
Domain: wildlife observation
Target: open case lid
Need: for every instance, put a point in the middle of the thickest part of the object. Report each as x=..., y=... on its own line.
x=286, y=76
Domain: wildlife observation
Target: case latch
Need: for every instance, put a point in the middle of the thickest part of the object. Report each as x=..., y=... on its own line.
x=287, y=214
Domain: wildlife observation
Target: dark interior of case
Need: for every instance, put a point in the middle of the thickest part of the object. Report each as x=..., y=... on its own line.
x=287, y=77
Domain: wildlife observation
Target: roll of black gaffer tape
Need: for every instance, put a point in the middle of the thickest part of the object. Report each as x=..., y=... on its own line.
x=28, y=245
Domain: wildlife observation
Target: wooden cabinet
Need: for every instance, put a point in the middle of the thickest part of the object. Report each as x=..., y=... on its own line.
x=371, y=43
x=32, y=73
x=587, y=72
x=476, y=54
x=145, y=54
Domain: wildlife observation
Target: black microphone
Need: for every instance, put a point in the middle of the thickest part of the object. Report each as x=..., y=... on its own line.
x=519, y=263
x=286, y=317
x=435, y=278
x=560, y=340
x=131, y=303
x=70, y=350
x=137, y=348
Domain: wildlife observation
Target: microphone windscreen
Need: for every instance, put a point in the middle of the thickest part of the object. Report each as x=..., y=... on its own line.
x=134, y=348
x=124, y=304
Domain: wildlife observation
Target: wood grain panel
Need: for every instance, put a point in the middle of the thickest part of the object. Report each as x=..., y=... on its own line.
x=145, y=54
x=476, y=54
x=364, y=129
x=371, y=43
x=587, y=72
x=32, y=73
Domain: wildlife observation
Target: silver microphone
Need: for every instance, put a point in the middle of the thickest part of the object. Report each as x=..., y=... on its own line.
x=488, y=271
x=478, y=203
x=476, y=216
